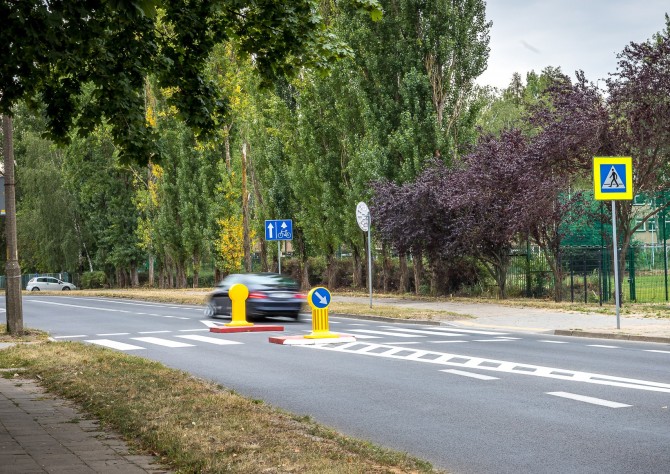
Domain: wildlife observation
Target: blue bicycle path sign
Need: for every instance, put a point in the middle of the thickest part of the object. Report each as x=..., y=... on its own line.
x=279, y=229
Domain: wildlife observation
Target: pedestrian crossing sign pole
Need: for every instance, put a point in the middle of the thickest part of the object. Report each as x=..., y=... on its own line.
x=613, y=181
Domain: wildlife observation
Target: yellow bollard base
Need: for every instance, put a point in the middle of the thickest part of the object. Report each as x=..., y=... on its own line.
x=321, y=335
x=238, y=324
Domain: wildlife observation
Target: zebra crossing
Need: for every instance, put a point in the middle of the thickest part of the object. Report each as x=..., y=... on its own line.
x=186, y=338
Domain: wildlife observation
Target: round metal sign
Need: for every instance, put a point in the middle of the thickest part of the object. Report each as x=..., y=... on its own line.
x=363, y=216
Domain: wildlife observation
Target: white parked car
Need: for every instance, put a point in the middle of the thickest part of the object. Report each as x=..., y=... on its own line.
x=48, y=284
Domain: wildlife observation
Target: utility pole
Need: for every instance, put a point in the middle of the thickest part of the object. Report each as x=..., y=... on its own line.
x=12, y=269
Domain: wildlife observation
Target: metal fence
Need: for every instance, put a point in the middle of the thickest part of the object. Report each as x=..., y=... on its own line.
x=588, y=274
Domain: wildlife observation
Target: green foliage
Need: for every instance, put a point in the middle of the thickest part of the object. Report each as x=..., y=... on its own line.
x=90, y=280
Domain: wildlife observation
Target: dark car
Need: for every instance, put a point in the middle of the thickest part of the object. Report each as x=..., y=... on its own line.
x=270, y=294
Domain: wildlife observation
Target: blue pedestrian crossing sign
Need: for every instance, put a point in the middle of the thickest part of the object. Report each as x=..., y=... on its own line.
x=613, y=178
x=280, y=229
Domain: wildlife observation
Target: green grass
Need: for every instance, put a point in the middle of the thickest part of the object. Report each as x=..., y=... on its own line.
x=194, y=425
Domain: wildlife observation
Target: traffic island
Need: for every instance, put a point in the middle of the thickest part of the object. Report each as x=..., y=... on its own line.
x=254, y=328
x=318, y=299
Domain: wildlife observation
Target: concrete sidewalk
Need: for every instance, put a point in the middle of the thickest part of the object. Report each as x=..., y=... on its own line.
x=40, y=433
x=524, y=319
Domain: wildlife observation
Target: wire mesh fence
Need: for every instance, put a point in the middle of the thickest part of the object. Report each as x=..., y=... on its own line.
x=587, y=275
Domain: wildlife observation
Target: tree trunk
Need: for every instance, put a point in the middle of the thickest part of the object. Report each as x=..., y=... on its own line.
x=134, y=276
x=331, y=271
x=196, y=271
x=245, y=211
x=357, y=276
x=152, y=269
x=13, y=302
x=417, y=258
x=403, y=283
x=386, y=268
x=264, y=256
x=227, y=128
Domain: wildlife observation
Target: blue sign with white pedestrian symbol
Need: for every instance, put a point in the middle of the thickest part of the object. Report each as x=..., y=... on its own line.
x=281, y=229
x=320, y=298
x=613, y=178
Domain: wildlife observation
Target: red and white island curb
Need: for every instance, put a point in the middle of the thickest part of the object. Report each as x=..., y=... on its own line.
x=303, y=341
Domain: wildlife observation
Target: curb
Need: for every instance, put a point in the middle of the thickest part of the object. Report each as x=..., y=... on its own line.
x=625, y=337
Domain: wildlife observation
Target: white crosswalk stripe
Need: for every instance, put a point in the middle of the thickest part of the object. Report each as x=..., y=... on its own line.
x=121, y=346
x=210, y=340
x=162, y=342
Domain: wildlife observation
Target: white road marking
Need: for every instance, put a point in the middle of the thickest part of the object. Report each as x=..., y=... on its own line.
x=466, y=361
x=114, y=334
x=194, y=330
x=70, y=337
x=491, y=340
x=443, y=342
x=399, y=343
x=469, y=374
x=153, y=332
x=422, y=331
x=162, y=342
x=95, y=308
x=470, y=331
x=603, y=347
x=384, y=333
x=554, y=342
x=210, y=340
x=660, y=352
x=594, y=401
x=114, y=344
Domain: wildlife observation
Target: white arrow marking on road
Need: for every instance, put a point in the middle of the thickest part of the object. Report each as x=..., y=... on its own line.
x=270, y=228
x=322, y=299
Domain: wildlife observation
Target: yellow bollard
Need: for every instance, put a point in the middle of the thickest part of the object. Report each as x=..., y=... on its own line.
x=319, y=299
x=238, y=294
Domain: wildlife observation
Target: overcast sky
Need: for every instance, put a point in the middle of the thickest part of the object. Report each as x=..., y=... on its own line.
x=588, y=34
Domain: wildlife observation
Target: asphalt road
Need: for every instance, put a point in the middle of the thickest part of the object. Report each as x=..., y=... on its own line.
x=469, y=401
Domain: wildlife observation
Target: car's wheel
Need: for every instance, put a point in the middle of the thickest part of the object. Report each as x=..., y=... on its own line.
x=66, y=288
x=35, y=289
x=210, y=310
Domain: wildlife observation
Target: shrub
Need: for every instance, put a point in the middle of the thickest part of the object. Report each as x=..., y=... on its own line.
x=91, y=280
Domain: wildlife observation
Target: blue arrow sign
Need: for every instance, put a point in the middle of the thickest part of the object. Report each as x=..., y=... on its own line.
x=280, y=229
x=320, y=298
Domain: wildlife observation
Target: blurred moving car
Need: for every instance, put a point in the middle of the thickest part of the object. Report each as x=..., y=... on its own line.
x=48, y=284
x=270, y=294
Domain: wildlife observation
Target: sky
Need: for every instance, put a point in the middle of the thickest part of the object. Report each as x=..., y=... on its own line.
x=588, y=34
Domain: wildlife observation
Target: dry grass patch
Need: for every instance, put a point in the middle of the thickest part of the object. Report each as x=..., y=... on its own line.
x=29, y=335
x=396, y=312
x=193, y=425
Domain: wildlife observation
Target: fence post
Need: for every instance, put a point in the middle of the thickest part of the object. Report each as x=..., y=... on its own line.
x=631, y=273
x=665, y=250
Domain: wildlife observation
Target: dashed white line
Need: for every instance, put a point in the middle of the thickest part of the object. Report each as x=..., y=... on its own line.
x=194, y=330
x=660, y=352
x=491, y=340
x=152, y=332
x=602, y=346
x=585, y=399
x=469, y=374
x=553, y=342
x=114, y=334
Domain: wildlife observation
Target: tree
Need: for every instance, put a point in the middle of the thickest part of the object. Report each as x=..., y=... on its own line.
x=53, y=49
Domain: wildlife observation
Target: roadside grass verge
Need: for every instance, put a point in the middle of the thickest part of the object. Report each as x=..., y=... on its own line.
x=194, y=425
x=197, y=296
x=29, y=335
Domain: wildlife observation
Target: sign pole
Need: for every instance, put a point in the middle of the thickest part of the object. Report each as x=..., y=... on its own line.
x=279, y=255
x=616, y=265
x=370, y=258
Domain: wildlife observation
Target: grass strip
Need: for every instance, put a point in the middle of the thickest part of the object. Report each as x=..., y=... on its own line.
x=194, y=425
